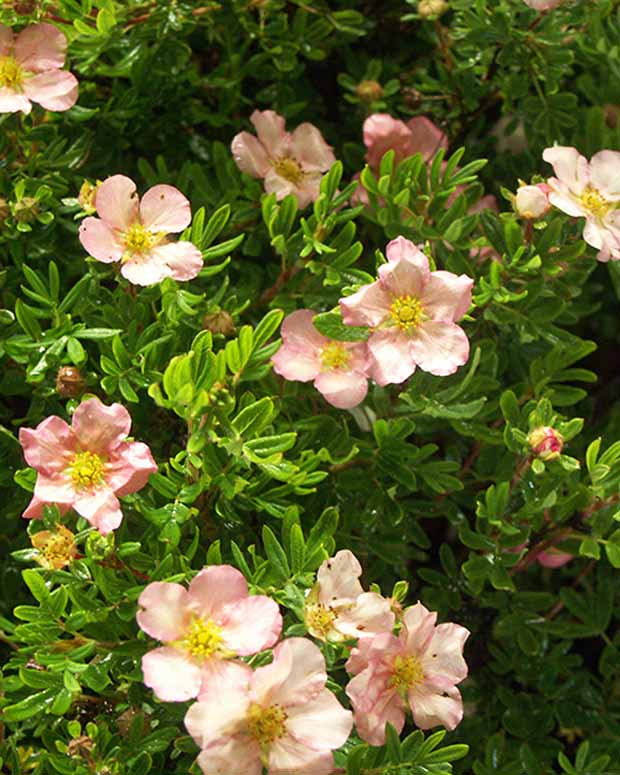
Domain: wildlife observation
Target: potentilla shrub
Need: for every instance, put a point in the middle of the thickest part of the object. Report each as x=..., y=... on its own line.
x=310, y=353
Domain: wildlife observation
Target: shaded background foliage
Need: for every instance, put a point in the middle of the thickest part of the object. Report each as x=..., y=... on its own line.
x=433, y=481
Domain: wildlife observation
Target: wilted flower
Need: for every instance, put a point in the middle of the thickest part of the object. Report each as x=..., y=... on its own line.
x=545, y=442
x=337, y=368
x=86, y=196
x=289, y=163
x=532, y=201
x=30, y=70
x=417, y=670
x=135, y=232
x=85, y=466
x=280, y=717
x=220, y=322
x=69, y=382
x=589, y=189
x=213, y=621
x=337, y=608
x=55, y=549
x=411, y=312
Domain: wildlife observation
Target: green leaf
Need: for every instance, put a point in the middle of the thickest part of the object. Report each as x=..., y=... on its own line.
x=275, y=553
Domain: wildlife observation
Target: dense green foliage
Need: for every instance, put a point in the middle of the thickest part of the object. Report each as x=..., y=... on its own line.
x=432, y=481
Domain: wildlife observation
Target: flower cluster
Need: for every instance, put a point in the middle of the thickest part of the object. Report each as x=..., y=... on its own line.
x=411, y=314
x=281, y=716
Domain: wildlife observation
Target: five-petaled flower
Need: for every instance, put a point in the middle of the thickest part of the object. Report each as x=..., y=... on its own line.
x=290, y=163
x=135, y=232
x=31, y=70
x=86, y=465
x=591, y=190
x=382, y=133
x=212, y=621
x=418, y=670
x=337, y=608
x=337, y=368
x=280, y=717
x=412, y=313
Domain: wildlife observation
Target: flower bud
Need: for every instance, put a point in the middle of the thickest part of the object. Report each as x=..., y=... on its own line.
x=86, y=197
x=55, y=549
x=430, y=9
x=369, y=91
x=219, y=323
x=546, y=443
x=25, y=210
x=25, y=7
x=69, y=382
x=532, y=201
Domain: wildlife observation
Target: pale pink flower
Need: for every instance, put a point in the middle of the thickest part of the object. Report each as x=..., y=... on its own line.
x=31, y=70
x=545, y=442
x=532, y=202
x=590, y=190
x=543, y=5
x=338, y=369
x=136, y=232
x=213, y=621
x=554, y=558
x=290, y=163
x=280, y=717
x=86, y=465
x=418, y=670
x=337, y=608
x=382, y=133
x=411, y=312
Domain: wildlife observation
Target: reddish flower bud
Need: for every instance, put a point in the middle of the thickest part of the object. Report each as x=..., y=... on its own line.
x=546, y=443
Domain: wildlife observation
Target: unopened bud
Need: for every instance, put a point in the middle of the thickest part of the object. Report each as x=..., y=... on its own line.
x=369, y=91
x=532, y=202
x=55, y=549
x=86, y=197
x=430, y=9
x=69, y=382
x=25, y=7
x=25, y=210
x=219, y=323
x=546, y=443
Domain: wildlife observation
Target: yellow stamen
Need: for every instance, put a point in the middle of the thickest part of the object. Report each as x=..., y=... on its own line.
x=86, y=470
x=204, y=639
x=406, y=673
x=289, y=169
x=266, y=725
x=319, y=620
x=594, y=203
x=335, y=356
x=11, y=73
x=138, y=240
x=55, y=549
x=406, y=312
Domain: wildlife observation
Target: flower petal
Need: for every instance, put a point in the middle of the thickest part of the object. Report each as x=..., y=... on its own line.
x=100, y=428
x=252, y=625
x=57, y=488
x=560, y=197
x=426, y=138
x=338, y=578
x=271, y=131
x=289, y=757
x=100, y=507
x=370, y=614
x=130, y=467
x=6, y=40
x=309, y=148
x=53, y=90
x=419, y=625
x=431, y=709
x=401, y=247
x=165, y=208
x=322, y=724
x=294, y=364
x=439, y=347
x=41, y=47
x=443, y=655
x=342, y=389
x=405, y=276
x=100, y=241
x=382, y=133
x=605, y=174
x=553, y=558
x=165, y=611
x=11, y=102
x=183, y=259
x=216, y=587
x=281, y=187
x=172, y=676
x=447, y=296
x=296, y=675
x=308, y=190
x=390, y=358
x=49, y=446
x=145, y=270
x=250, y=155
x=34, y=510
x=117, y=201
x=570, y=167
x=238, y=755
x=369, y=306
x=298, y=358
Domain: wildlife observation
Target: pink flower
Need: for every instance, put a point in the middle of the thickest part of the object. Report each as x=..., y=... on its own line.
x=337, y=368
x=213, y=621
x=30, y=70
x=542, y=5
x=545, y=442
x=411, y=312
x=85, y=466
x=280, y=717
x=589, y=189
x=532, y=202
x=554, y=558
x=289, y=163
x=337, y=607
x=382, y=133
x=417, y=670
x=135, y=232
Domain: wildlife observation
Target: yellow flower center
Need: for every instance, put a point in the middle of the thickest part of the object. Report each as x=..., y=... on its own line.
x=11, y=74
x=406, y=312
x=266, y=724
x=86, y=470
x=319, y=620
x=138, y=240
x=594, y=203
x=406, y=673
x=55, y=549
x=289, y=169
x=203, y=639
x=335, y=356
